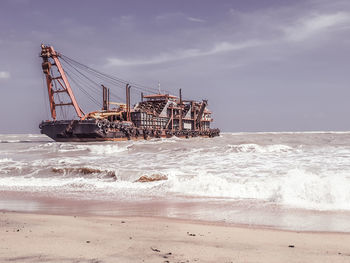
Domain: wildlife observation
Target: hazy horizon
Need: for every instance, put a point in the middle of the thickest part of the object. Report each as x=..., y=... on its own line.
x=263, y=66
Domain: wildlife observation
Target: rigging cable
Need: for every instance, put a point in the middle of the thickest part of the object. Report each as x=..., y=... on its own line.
x=84, y=91
x=135, y=85
x=85, y=83
x=89, y=79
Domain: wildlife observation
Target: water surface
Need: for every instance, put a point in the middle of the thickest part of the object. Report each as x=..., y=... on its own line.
x=288, y=180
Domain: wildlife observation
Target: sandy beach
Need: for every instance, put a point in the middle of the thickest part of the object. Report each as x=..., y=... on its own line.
x=28, y=237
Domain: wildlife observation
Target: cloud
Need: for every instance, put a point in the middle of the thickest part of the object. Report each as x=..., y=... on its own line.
x=177, y=16
x=268, y=31
x=218, y=48
x=194, y=19
x=317, y=24
x=4, y=75
x=126, y=20
x=169, y=16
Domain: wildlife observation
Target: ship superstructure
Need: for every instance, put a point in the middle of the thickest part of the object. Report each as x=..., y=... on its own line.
x=156, y=115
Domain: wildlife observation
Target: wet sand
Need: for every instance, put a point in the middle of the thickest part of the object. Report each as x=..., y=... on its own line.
x=29, y=237
x=221, y=211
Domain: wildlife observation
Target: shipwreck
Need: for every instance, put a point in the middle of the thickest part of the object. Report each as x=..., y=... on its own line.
x=157, y=115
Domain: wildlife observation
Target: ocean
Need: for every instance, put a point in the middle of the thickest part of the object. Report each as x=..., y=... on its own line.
x=298, y=181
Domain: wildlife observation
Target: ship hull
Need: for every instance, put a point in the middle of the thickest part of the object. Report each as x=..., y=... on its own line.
x=93, y=131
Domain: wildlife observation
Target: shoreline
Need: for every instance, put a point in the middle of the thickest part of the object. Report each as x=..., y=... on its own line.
x=176, y=220
x=31, y=237
x=213, y=213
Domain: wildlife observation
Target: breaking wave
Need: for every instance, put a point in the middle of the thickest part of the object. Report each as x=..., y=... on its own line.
x=297, y=188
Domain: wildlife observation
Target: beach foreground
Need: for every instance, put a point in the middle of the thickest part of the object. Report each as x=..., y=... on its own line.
x=29, y=237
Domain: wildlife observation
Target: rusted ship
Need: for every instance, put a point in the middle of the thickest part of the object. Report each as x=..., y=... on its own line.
x=157, y=115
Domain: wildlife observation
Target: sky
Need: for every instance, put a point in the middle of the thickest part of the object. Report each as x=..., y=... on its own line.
x=263, y=65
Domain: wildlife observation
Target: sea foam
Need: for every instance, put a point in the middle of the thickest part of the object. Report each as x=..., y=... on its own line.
x=304, y=171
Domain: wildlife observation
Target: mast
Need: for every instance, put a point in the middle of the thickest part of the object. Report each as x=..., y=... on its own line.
x=105, y=98
x=127, y=89
x=180, y=117
x=51, y=59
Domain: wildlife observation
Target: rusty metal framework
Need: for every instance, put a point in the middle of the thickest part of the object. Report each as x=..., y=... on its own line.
x=50, y=60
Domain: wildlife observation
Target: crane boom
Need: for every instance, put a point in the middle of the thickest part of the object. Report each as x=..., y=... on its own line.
x=51, y=59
